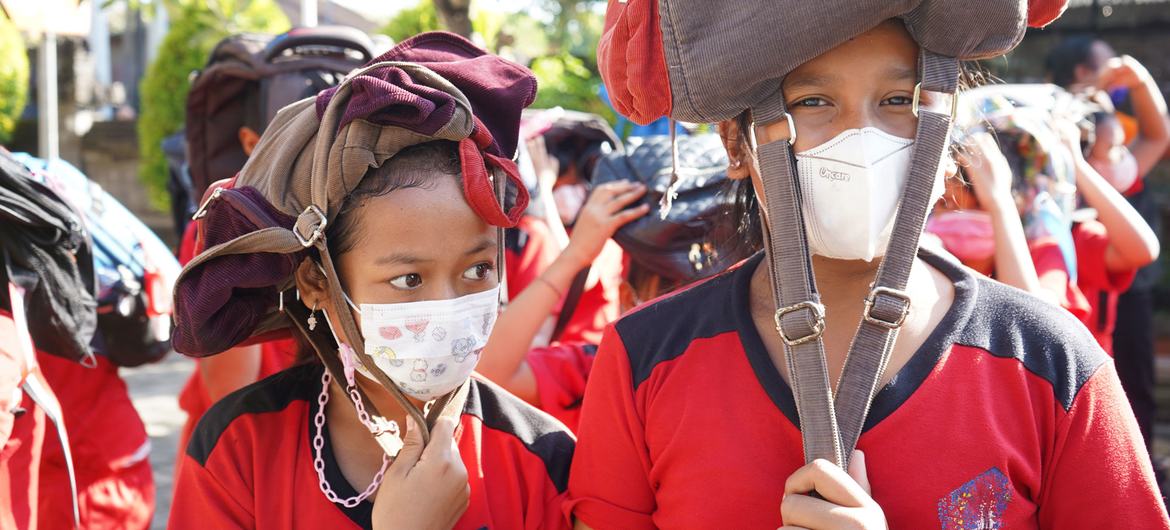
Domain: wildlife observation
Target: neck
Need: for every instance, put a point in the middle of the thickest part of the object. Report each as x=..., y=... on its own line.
x=841, y=284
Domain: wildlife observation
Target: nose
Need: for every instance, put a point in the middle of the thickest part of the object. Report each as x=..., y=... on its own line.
x=443, y=290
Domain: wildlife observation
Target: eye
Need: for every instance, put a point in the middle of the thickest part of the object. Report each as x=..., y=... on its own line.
x=478, y=272
x=812, y=101
x=898, y=100
x=407, y=282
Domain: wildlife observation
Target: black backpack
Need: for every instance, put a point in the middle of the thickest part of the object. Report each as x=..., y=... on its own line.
x=46, y=250
x=695, y=239
x=248, y=78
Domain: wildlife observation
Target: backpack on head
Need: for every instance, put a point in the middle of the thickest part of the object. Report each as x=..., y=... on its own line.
x=248, y=78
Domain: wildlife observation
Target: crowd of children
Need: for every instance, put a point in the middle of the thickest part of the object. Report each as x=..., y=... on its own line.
x=416, y=304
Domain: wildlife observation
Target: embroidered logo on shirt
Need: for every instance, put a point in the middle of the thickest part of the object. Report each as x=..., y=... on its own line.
x=976, y=505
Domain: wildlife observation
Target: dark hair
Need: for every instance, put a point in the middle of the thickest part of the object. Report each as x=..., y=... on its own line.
x=253, y=113
x=1062, y=62
x=750, y=235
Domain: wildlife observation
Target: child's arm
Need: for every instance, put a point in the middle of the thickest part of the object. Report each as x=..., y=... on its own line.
x=991, y=178
x=230, y=371
x=1149, y=107
x=503, y=359
x=1132, y=243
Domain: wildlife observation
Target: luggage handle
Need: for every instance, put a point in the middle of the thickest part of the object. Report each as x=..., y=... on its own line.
x=337, y=36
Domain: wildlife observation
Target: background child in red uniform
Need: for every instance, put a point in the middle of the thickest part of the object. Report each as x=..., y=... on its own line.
x=980, y=223
x=545, y=375
x=410, y=238
x=994, y=410
x=1088, y=65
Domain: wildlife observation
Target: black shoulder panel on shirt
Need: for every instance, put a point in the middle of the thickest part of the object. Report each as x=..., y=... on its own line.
x=542, y=435
x=267, y=395
x=663, y=330
x=1049, y=341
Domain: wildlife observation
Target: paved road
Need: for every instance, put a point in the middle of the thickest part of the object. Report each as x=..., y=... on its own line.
x=154, y=389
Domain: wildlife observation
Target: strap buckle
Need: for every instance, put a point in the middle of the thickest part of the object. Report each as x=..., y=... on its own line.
x=202, y=211
x=914, y=103
x=318, y=230
x=817, y=312
x=871, y=302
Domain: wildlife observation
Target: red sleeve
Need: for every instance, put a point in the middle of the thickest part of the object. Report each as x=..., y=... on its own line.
x=207, y=499
x=561, y=371
x=1054, y=277
x=187, y=244
x=1091, y=240
x=1099, y=475
x=609, y=485
x=535, y=253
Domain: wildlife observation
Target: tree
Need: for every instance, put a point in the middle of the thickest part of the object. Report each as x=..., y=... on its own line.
x=563, y=80
x=13, y=77
x=456, y=15
x=412, y=21
x=196, y=26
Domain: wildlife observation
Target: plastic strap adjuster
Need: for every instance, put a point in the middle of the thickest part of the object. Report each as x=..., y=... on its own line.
x=871, y=303
x=816, y=314
x=318, y=229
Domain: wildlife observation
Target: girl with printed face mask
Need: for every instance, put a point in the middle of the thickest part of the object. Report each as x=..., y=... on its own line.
x=691, y=419
x=370, y=222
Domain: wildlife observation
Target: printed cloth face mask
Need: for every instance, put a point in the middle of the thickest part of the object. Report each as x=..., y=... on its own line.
x=427, y=348
x=850, y=189
x=967, y=234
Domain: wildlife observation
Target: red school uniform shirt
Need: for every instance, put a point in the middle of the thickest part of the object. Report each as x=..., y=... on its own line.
x=561, y=371
x=109, y=446
x=1008, y=416
x=1100, y=286
x=1053, y=274
x=250, y=462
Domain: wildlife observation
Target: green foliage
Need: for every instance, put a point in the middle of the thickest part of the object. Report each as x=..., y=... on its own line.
x=564, y=51
x=412, y=21
x=13, y=77
x=196, y=26
x=565, y=81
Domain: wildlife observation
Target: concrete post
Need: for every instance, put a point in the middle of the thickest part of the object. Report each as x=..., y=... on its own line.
x=47, y=127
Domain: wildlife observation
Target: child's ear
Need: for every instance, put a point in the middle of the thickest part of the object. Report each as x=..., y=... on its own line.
x=311, y=283
x=737, y=152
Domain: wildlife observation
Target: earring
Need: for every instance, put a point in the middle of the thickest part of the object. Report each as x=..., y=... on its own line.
x=312, y=320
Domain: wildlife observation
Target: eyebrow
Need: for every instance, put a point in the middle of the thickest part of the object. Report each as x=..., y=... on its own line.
x=811, y=80
x=901, y=73
x=820, y=80
x=402, y=258
x=484, y=244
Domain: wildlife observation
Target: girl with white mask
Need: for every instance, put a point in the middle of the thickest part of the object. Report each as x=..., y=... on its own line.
x=739, y=402
x=369, y=225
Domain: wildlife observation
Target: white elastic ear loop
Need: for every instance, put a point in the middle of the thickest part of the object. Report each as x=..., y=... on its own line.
x=343, y=295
